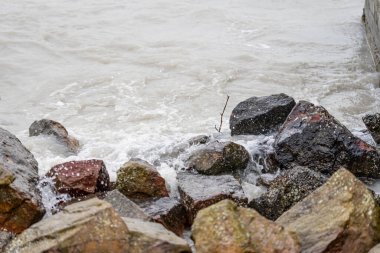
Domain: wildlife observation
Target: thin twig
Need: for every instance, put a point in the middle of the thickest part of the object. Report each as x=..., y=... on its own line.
x=221, y=116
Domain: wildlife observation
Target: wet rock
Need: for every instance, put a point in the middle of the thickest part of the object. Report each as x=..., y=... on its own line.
x=260, y=115
x=286, y=190
x=219, y=157
x=20, y=200
x=372, y=122
x=153, y=237
x=169, y=212
x=375, y=249
x=56, y=129
x=80, y=178
x=139, y=180
x=88, y=226
x=200, y=191
x=200, y=139
x=225, y=227
x=311, y=137
x=5, y=238
x=340, y=216
x=125, y=207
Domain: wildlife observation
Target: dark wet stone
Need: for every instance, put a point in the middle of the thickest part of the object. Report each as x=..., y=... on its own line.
x=80, y=178
x=372, y=122
x=20, y=200
x=313, y=138
x=286, y=190
x=200, y=191
x=260, y=115
x=219, y=157
x=125, y=207
x=169, y=212
x=56, y=129
x=200, y=139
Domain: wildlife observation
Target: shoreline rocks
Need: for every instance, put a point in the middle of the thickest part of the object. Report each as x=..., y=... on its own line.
x=219, y=157
x=200, y=191
x=225, y=227
x=260, y=115
x=137, y=179
x=80, y=178
x=56, y=129
x=20, y=200
x=313, y=138
x=372, y=122
x=340, y=216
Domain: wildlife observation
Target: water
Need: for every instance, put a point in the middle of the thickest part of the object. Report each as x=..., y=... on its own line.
x=137, y=78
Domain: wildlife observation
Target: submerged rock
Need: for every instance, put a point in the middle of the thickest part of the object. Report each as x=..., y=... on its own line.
x=169, y=212
x=200, y=191
x=152, y=237
x=219, y=157
x=56, y=129
x=20, y=200
x=88, y=226
x=311, y=137
x=340, y=216
x=287, y=189
x=80, y=178
x=125, y=207
x=139, y=180
x=225, y=227
x=260, y=115
x=372, y=122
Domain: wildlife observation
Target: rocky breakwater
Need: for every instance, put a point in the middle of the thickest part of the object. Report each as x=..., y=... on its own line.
x=314, y=201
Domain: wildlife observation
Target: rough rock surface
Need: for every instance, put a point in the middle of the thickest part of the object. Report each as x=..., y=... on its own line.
x=80, y=178
x=375, y=249
x=260, y=115
x=169, y=212
x=50, y=127
x=5, y=238
x=200, y=191
x=152, y=237
x=88, y=226
x=372, y=122
x=340, y=216
x=287, y=189
x=125, y=207
x=311, y=137
x=219, y=157
x=138, y=179
x=20, y=200
x=225, y=227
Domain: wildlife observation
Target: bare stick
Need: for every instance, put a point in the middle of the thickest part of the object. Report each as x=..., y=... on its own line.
x=221, y=116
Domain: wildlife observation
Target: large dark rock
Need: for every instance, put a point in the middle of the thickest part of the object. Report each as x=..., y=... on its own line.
x=80, y=178
x=340, y=216
x=286, y=190
x=200, y=191
x=260, y=115
x=311, y=137
x=169, y=212
x=125, y=207
x=225, y=227
x=20, y=200
x=56, y=129
x=138, y=179
x=372, y=122
x=219, y=157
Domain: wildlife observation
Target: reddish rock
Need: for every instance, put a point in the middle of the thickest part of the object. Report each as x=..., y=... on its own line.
x=313, y=138
x=168, y=211
x=80, y=178
x=20, y=200
x=51, y=127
